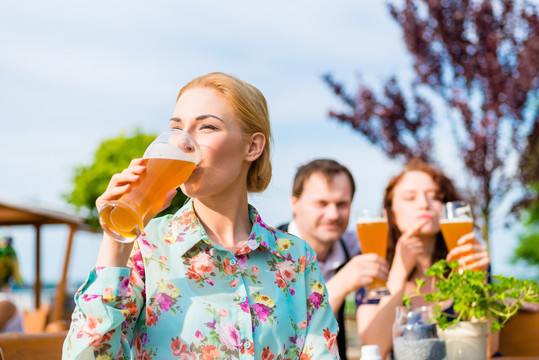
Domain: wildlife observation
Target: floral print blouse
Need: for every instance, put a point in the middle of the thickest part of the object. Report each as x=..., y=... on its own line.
x=184, y=297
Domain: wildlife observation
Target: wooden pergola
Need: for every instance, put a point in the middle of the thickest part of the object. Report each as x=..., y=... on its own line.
x=13, y=214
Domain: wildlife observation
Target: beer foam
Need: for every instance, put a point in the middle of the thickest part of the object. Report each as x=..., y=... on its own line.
x=364, y=220
x=166, y=151
x=462, y=219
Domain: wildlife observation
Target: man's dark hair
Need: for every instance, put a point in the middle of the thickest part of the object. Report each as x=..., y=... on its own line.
x=327, y=167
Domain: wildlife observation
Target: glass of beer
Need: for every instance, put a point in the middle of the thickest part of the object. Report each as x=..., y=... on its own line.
x=170, y=159
x=372, y=231
x=456, y=221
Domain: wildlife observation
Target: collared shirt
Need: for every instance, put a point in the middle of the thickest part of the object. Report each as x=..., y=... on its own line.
x=337, y=255
x=184, y=297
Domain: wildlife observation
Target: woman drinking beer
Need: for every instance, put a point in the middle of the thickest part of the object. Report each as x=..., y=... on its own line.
x=212, y=281
x=413, y=204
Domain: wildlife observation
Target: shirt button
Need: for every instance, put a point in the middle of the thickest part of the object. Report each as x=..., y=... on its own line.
x=232, y=262
x=247, y=344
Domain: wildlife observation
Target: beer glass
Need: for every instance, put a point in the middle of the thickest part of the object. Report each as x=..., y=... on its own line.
x=372, y=231
x=170, y=159
x=456, y=221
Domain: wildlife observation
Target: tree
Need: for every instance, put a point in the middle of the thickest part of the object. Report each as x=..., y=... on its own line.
x=112, y=156
x=478, y=59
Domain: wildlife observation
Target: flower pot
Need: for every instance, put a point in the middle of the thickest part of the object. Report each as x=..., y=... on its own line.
x=466, y=341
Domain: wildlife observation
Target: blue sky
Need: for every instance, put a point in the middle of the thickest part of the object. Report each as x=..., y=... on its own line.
x=74, y=74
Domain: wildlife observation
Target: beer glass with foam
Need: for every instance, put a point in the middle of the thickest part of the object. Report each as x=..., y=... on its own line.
x=372, y=231
x=170, y=159
x=456, y=221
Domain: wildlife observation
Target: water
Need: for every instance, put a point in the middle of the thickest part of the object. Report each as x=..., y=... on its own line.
x=24, y=297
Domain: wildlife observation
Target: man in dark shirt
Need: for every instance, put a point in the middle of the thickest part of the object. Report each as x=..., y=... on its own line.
x=322, y=196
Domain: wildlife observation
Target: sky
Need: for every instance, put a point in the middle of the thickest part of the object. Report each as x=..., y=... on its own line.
x=74, y=74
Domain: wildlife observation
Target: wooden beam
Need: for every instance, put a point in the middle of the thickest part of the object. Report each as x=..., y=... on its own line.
x=37, y=282
x=58, y=311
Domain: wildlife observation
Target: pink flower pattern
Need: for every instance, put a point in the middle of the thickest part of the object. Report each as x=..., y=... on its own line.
x=184, y=297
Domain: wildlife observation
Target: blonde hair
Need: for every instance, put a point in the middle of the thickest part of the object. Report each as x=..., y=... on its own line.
x=251, y=109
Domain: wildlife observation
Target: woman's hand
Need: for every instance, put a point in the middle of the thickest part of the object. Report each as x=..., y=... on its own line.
x=470, y=253
x=408, y=248
x=112, y=252
x=120, y=184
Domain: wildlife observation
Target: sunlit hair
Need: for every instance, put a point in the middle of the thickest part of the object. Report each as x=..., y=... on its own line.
x=326, y=167
x=251, y=110
x=446, y=192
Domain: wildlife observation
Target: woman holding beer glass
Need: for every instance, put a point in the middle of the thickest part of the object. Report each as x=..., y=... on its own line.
x=413, y=203
x=212, y=281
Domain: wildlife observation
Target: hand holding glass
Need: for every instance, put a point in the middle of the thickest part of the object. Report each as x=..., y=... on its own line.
x=169, y=160
x=372, y=232
x=456, y=221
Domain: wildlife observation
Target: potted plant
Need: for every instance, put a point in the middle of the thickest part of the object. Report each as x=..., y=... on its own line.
x=476, y=303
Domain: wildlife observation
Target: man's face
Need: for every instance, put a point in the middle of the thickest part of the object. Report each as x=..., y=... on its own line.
x=323, y=209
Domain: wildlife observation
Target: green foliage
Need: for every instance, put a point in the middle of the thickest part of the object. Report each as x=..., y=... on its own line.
x=9, y=265
x=527, y=250
x=473, y=297
x=111, y=157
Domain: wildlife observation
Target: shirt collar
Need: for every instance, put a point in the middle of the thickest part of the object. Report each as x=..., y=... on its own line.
x=335, y=258
x=293, y=229
x=187, y=231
